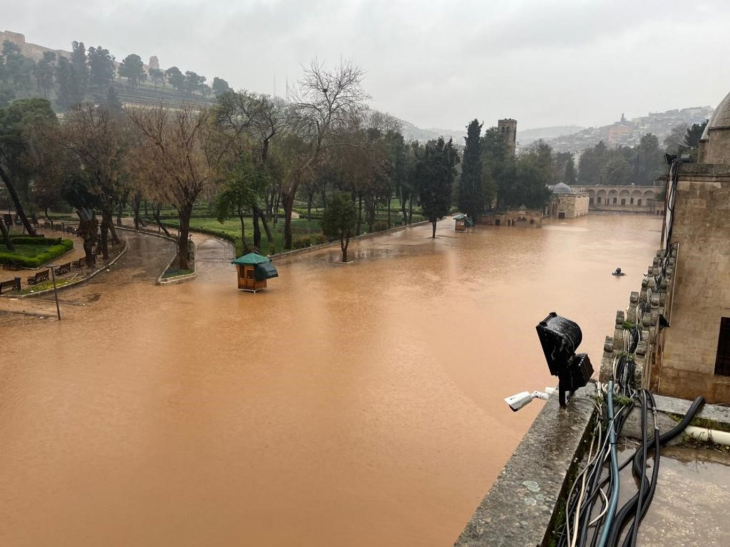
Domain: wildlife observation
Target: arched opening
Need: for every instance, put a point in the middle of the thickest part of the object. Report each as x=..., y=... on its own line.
x=590, y=201
x=615, y=200
x=632, y=201
x=638, y=202
x=598, y=199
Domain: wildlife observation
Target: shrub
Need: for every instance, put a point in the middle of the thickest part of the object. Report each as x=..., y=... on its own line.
x=302, y=242
x=272, y=249
x=320, y=239
x=36, y=261
x=379, y=226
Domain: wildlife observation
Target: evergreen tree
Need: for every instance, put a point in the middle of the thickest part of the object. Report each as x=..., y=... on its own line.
x=339, y=220
x=112, y=102
x=101, y=67
x=569, y=174
x=220, y=86
x=132, y=68
x=69, y=91
x=44, y=71
x=80, y=69
x=436, y=171
x=175, y=78
x=471, y=197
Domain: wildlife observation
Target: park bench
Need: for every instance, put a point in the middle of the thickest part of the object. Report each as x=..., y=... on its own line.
x=13, y=285
x=63, y=268
x=80, y=263
x=38, y=278
x=13, y=266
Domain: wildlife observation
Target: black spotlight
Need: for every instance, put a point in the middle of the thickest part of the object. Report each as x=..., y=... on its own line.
x=560, y=337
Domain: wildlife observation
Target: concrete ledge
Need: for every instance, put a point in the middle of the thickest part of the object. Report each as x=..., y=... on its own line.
x=522, y=506
x=178, y=278
x=679, y=407
x=362, y=236
x=80, y=281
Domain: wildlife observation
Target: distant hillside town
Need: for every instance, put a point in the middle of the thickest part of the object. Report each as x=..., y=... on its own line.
x=629, y=132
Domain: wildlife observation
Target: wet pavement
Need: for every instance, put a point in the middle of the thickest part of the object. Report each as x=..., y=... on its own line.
x=691, y=500
x=356, y=404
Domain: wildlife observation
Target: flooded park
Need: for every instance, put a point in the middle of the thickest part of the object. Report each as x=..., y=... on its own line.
x=351, y=404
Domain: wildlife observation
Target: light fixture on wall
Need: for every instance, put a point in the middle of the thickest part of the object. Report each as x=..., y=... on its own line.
x=560, y=338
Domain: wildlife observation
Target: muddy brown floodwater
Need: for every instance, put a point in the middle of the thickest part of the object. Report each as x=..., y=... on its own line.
x=353, y=405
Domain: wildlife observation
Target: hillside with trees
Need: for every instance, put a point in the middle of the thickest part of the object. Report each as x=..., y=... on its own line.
x=90, y=75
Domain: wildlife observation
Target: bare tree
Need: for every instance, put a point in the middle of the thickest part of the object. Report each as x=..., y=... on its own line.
x=323, y=102
x=95, y=137
x=182, y=155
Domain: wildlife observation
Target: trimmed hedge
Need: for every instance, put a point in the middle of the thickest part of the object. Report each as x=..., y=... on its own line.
x=38, y=260
x=30, y=240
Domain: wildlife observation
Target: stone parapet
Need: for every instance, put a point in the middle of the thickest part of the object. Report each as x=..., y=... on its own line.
x=637, y=332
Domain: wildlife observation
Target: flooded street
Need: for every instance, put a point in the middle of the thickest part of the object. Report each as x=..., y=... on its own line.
x=353, y=405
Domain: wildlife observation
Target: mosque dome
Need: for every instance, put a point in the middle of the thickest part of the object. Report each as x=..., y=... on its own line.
x=561, y=188
x=715, y=141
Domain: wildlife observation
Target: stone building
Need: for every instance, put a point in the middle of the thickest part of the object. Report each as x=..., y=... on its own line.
x=566, y=202
x=508, y=128
x=624, y=199
x=520, y=217
x=682, y=313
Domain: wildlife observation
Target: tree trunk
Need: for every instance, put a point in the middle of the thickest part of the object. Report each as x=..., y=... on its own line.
x=244, y=246
x=390, y=197
x=16, y=201
x=119, y=214
x=359, y=213
x=277, y=199
x=45, y=213
x=146, y=214
x=403, y=209
x=135, y=207
x=256, y=229
x=344, y=242
x=105, y=222
x=265, y=222
x=6, y=236
x=185, y=213
x=410, y=210
x=113, y=231
x=88, y=226
x=156, y=214
x=434, y=229
x=288, y=209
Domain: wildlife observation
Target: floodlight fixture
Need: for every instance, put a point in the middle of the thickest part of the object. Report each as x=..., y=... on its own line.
x=560, y=338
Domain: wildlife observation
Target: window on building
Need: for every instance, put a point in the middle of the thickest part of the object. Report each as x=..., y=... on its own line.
x=615, y=200
x=623, y=202
x=598, y=200
x=632, y=201
x=722, y=362
x=590, y=201
x=638, y=202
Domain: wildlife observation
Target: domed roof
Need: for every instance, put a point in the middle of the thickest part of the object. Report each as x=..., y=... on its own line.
x=721, y=116
x=561, y=188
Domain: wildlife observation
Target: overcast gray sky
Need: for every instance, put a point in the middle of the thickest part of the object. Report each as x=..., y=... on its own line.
x=434, y=63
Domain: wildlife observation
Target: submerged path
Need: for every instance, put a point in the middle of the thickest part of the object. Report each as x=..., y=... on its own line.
x=353, y=405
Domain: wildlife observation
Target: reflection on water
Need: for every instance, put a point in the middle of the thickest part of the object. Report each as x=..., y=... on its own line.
x=355, y=404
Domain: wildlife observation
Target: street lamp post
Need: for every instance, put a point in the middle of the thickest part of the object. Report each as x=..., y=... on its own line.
x=55, y=290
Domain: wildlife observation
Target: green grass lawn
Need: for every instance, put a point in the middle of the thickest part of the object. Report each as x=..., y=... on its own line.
x=233, y=228
x=26, y=251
